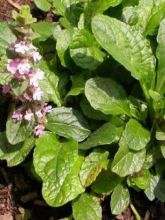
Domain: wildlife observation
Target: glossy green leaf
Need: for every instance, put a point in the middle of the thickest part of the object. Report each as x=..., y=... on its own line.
x=127, y=162
x=58, y=164
x=160, y=84
x=120, y=199
x=17, y=132
x=44, y=5
x=64, y=39
x=6, y=37
x=150, y=191
x=87, y=207
x=135, y=136
x=50, y=84
x=106, y=182
x=85, y=51
x=127, y=46
x=107, y=134
x=16, y=154
x=44, y=29
x=68, y=122
x=150, y=14
x=92, y=166
x=106, y=96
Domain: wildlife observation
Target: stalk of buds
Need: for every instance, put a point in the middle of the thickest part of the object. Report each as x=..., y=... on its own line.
x=23, y=68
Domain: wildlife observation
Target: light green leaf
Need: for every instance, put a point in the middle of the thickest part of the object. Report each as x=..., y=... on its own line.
x=135, y=136
x=160, y=84
x=106, y=96
x=44, y=29
x=85, y=51
x=162, y=147
x=6, y=37
x=106, y=182
x=120, y=199
x=16, y=154
x=44, y=5
x=64, y=38
x=127, y=162
x=107, y=134
x=92, y=166
x=127, y=46
x=58, y=164
x=17, y=132
x=68, y=122
x=19, y=87
x=78, y=84
x=50, y=84
x=86, y=207
x=150, y=191
x=150, y=13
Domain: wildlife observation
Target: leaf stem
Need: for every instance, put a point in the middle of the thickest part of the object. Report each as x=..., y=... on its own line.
x=135, y=212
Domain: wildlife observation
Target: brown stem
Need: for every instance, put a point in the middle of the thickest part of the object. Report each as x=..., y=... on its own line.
x=14, y=4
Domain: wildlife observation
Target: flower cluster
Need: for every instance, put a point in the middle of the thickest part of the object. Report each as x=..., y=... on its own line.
x=23, y=68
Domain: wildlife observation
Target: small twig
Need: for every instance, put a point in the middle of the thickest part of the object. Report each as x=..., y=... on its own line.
x=14, y=4
x=135, y=212
x=147, y=215
x=29, y=197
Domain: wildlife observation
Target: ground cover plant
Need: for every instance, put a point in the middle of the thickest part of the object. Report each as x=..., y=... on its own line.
x=82, y=102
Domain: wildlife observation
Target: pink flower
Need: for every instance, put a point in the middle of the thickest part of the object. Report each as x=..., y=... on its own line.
x=24, y=67
x=17, y=115
x=47, y=108
x=39, y=114
x=28, y=115
x=27, y=97
x=38, y=130
x=37, y=94
x=21, y=48
x=37, y=75
x=6, y=89
x=12, y=65
x=36, y=56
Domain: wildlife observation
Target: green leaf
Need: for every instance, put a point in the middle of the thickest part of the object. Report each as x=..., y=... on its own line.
x=127, y=46
x=141, y=179
x=58, y=164
x=92, y=166
x=85, y=51
x=106, y=96
x=78, y=84
x=150, y=14
x=17, y=132
x=50, y=83
x=106, y=182
x=107, y=134
x=6, y=37
x=150, y=191
x=162, y=147
x=159, y=190
x=19, y=87
x=160, y=84
x=68, y=122
x=64, y=39
x=120, y=199
x=44, y=5
x=44, y=29
x=24, y=16
x=127, y=162
x=16, y=154
x=135, y=136
x=86, y=207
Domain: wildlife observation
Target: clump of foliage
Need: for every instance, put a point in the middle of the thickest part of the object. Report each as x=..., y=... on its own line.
x=103, y=72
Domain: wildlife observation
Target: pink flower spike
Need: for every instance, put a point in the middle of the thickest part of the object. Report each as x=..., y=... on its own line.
x=38, y=130
x=27, y=97
x=28, y=115
x=6, y=89
x=12, y=65
x=17, y=115
x=37, y=94
x=36, y=76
